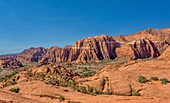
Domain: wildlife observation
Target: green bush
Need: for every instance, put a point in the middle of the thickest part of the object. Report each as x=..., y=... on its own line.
x=87, y=74
x=16, y=90
x=81, y=89
x=135, y=93
x=30, y=74
x=164, y=81
x=154, y=78
x=142, y=79
x=13, y=82
x=90, y=89
x=61, y=98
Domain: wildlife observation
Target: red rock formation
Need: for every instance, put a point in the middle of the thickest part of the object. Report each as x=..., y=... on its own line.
x=165, y=55
x=149, y=43
x=9, y=62
x=143, y=48
x=31, y=55
x=54, y=69
x=89, y=49
x=152, y=34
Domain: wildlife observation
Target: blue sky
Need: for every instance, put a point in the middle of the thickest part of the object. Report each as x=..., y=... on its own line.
x=34, y=23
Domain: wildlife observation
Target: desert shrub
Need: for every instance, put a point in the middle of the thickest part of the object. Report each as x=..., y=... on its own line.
x=61, y=98
x=142, y=79
x=16, y=90
x=42, y=77
x=154, y=78
x=30, y=74
x=75, y=83
x=88, y=74
x=90, y=89
x=135, y=93
x=98, y=92
x=13, y=82
x=7, y=77
x=164, y=81
x=66, y=84
x=81, y=89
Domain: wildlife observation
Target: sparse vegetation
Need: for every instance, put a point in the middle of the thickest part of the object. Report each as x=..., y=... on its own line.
x=30, y=74
x=142, y=79
x=81, y=89
x=164, y=81
x=13, y=82
x=7, y=77
x=87, y=74
x=154, y=78
x=16, y=90
x=90, y=89
x=135, y=93
x=61, y=98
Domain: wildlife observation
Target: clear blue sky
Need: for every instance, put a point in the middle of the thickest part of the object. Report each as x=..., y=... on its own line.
x=33, y=23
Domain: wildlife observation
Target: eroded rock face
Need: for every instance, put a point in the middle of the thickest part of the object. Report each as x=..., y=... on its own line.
x=143, y=48
x=31, y=55
x=56, y=54
x=89, y=49
x=144, y=44
x=9, y=62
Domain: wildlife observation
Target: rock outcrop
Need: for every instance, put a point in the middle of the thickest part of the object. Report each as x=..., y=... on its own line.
x=144, y=44
x=53, y=69
x=165, y=55
x=143, y=48
x=86, y=50
x=31, y=55
x=9, y=62
x=152, y=34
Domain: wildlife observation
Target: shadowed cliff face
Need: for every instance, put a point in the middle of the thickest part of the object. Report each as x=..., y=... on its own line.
x=143, y=48
x=31, y=55
x=9, y=62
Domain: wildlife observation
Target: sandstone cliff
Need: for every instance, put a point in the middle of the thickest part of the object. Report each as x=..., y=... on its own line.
x=144, y=44
x=143, y=48
x=86, y=50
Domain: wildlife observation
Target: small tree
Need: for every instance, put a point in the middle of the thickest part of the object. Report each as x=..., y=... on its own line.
x=16, y=90
x=164, y=81
x=154, y=78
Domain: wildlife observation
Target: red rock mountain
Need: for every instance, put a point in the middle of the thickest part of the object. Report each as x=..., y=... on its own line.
x=9, y=62
x=144, y=44
x=152, y=34
x=31, y=55
x=89, y=49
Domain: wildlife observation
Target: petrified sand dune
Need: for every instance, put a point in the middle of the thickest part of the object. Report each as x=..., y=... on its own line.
x=165, y=55
x=121, y=80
